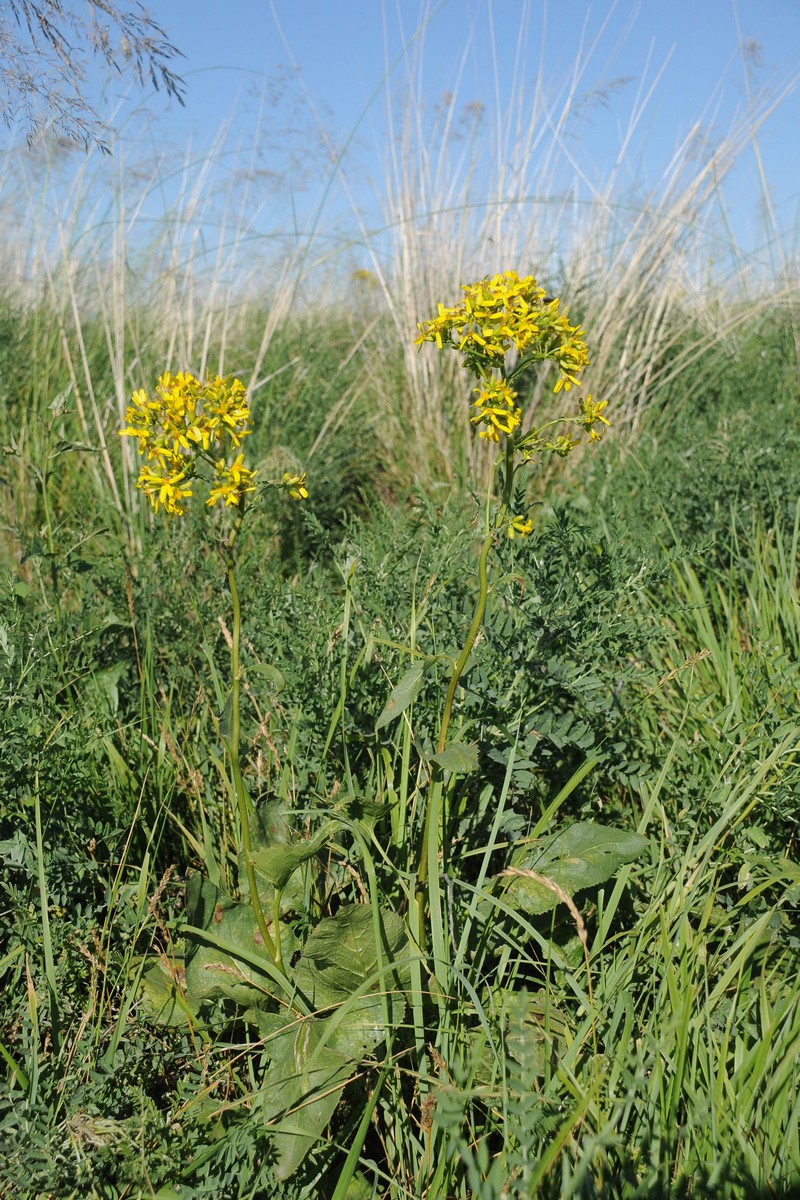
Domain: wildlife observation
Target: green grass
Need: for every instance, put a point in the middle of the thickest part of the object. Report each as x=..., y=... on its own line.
x=645, y=685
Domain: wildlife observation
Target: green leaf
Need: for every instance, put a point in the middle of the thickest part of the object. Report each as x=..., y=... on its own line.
x=354, y=1029
x=6, y=645
x=105, y=685
x=202, y=899
x=271, y=825
x=161, y=998
x=359, y=1189
x=64, y=447
x=121, y=768
x=277, y=864
x=273, y=678
x=365, y=811
x=581, y=856
x=303, y=1085
x=404, y=694
x=212, y=973
x=360, y=1024
x=341, y=954
x=231, y=967
x=457, y=757
x=535, y=1028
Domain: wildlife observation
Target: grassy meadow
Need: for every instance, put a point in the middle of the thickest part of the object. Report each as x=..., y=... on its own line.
x=275, y=928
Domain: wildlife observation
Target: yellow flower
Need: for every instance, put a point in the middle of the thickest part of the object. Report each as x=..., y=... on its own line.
x=495, y=314
x=187, y=415
x=496, y=410
x=234, y=482
x=168, y=490
x=139, y=416
x=295, y=485
x=162, y=454
x=519, y=527
x=226, y=405
x=591, y=413
x=188, y=421
x=504, y=313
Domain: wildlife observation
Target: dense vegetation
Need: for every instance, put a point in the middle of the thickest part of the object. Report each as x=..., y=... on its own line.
x=638, y=672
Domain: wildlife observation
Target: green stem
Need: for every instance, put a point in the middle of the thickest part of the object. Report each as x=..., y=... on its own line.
x=273, y=948
x=508, y=475
x=477, y=620
x=47, y=944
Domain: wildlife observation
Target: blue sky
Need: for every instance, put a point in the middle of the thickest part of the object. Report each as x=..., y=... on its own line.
x=275, y=73
x=342, y=55
x=342, y=46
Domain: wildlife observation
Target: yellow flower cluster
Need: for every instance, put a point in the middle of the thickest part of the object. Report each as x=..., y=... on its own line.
x=295, y=485
x=591, y=414
x=186, y=422
x=497, y=410
x=509, y=312
x=590, y=417
x=504, y=312
x=233, y=482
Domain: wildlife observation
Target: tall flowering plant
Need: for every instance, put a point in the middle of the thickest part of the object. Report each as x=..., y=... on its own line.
x=341, y=984
x=192, y=430
x=503, y=325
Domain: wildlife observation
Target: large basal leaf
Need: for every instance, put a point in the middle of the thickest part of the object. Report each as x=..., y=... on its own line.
x=341, y=954
x=271, y=824
x=204, y=902
x=582, y=856
x=162, y=994
x=359, y=1024
x=276, y=855
x=404, y=694
x=232, y=972
x=353, y=1029
x=535, y=1029
x=302, y=1088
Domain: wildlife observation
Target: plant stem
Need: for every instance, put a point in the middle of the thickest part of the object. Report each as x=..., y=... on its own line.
x=508, y=475
x=477, y=621
x=273, y=948
x=423, y=888
x=47, y=944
